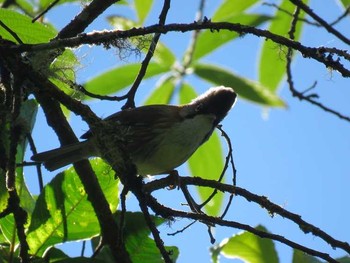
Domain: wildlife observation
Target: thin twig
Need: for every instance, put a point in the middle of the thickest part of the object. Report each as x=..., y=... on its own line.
x=13, y=34
x=234, y=171
x=155, y=233
x=291, y=14
x=97, y=96
x=300, y=95
x=38, y=165
x=182, y=230
x=229, y=159
x=271, y=207
x=251, y=197
x=218, y=221
x=341, y=17
x=130, y=103
x=321, y=21
x=85, y=18
x=122, y=212
x=83, y=248
x=47, y=9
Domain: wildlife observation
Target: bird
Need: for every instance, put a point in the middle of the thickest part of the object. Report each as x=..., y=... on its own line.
x=158, y=138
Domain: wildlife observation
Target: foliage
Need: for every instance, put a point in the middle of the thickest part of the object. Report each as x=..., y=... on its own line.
x=64, y=211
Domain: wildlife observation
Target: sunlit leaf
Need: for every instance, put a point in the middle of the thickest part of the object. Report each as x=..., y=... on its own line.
x=22, y=25
x=62, y=72
x=345, y=259
x=245, y=88
x=3, y=192
x=299, y=256
x=27, y=6
x=207, y=162
x=26, y=120
x=247, y=247
x=63, y=212
x=119, y=78
x=164, y=56
x=209, y=41
x=163, y=92
x=121, y=22
x=272, y=67
x=232, y=7
x=45, y=3
x=140, y=246
x=346, y=3
x=54, y=255
x=142, y=8
x=138, y=243
x=187, y=93
x=8, y=229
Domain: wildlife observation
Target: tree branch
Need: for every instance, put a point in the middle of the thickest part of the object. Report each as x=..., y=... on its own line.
x=295, y=93
x=158, y=208
x=98, y=38
x=85, y=18
x=16, y=133
x=49, y=96
x=251, y=197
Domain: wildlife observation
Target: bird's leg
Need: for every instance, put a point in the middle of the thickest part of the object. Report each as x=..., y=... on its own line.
x=190, y=201
x=174, y=178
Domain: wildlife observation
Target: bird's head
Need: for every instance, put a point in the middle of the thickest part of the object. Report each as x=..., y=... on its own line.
x=217, y=101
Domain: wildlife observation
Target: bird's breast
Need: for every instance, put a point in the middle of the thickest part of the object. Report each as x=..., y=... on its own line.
x=177, y=144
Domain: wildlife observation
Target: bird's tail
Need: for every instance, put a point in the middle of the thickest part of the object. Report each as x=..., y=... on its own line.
x=57, y=158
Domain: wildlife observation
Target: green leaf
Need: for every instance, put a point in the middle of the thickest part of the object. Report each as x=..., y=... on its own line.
x=26, y=119
x=28, y=32
x=55, y=255
x=121, y=22
x=62, y=72
x=5, y=146
x=207, y=162
x=26, y=6
x=78, y=260
x=3, y=192
x=209, y=41
x=272, y=67
x=232, y=7
x=140, y=246
x=63, y=212
x=345, y=259
x=45, y=3
x=299, y=256
x=245, y=88
x=164, y=56
x=163, y=92
x=121, y=77
x=142, y=8
x=8, y=229
x=187, y=93
x=249, y=248
x=345, y=3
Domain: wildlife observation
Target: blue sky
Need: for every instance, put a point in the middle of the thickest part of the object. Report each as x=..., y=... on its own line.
x=298, y=157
